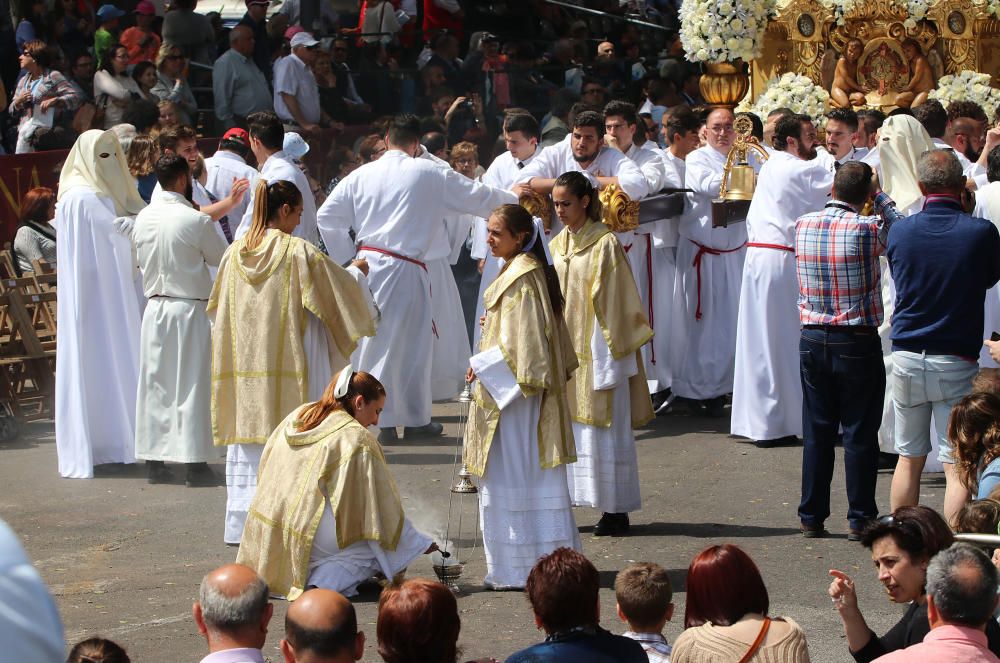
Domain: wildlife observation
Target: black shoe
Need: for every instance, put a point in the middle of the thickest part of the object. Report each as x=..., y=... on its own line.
x=812, y=531
x=715, y=407
x=662, y=400
x=612, y=524
x=200, y=475
x=432, y=429
x=157, y=472
x=787, y=441
x=388, y=435
x=887, y=461
x=854, y=534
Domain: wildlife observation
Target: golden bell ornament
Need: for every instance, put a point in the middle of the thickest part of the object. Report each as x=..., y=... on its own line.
x=742, y=180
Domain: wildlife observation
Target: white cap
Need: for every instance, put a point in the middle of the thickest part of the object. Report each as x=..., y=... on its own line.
x=294, y=145
x=303, y=39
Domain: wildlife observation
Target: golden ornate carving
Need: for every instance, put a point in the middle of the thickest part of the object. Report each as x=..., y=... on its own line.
x=537, y=205
x=620, y=213
x=804, y=38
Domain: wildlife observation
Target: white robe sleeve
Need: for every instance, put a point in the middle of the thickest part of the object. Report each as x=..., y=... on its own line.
x=479, y=247
x=336, y=217
x=362, y=282
x=630, y=178
x=654, y=170
x=461, y=194
x=543, y=165
x=495, y=375
x=608, y=371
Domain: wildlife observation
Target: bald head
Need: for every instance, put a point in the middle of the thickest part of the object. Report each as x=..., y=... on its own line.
x=241, y=40
x=322, y=627
x=233, y=599
x=720, y=129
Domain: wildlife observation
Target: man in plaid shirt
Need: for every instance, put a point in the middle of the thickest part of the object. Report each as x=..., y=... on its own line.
x=843, y=378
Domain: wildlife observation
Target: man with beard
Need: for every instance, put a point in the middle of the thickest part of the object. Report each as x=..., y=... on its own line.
x=583, y=150
x=767, y=393
x=968, y=128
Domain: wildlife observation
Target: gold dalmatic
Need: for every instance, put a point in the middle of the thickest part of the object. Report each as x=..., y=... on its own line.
x=259, y=302
x=597, y=284
x=537, y=348
x=338, y=459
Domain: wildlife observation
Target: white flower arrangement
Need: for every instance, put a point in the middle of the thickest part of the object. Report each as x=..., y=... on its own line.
x=968, y=86
x=719, y=31
x=993, y=7
x=790, y=91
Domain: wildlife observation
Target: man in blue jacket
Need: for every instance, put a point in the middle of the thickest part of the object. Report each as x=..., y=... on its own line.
x=943, y=261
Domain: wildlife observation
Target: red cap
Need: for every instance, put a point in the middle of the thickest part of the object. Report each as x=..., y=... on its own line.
x=237, y=134
x=293, y=30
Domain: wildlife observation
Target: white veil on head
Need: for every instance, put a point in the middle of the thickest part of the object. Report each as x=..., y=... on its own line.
x=97, y=161
x=901, y=142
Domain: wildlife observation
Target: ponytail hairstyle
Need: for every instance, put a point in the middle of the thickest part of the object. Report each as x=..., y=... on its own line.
x=974, y=432
x=519, y=222
x=578, y=184
x=360, y=383
x=268, y=199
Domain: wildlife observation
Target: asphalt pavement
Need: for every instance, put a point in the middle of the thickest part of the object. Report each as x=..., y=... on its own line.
x=124, y=558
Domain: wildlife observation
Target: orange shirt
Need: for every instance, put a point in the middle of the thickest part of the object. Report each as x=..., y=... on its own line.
x=133, y=38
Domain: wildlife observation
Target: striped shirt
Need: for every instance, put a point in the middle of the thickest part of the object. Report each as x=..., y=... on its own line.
x=654, y=644
x=837, y=261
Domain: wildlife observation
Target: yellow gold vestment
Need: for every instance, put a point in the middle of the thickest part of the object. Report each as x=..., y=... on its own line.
x=259, y=304
x=597, y=283
x=338, y=459
x=538, y=351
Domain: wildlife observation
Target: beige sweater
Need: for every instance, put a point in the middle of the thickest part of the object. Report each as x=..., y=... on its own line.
x=705, y=644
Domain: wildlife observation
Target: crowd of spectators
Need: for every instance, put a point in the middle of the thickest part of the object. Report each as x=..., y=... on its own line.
x=86, y=66
x=949, y=588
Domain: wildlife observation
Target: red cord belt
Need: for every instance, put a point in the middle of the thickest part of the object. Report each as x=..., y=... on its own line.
x=393, y=254
x=702, y=250
x=776, y=247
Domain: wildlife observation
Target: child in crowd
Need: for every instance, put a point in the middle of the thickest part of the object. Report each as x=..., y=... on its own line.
x=645, y=603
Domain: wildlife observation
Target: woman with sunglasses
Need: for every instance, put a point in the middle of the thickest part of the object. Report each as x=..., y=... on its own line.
x=171, y=83
x=902, y=546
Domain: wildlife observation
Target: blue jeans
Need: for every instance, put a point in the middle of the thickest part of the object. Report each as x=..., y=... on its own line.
x=843, y=386
x=922, y=385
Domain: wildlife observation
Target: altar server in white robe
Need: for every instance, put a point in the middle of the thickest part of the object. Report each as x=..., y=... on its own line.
x=584, y=150
x=327, y=512
x=175, y=244
x=520, y=134
x=520, y=436
x=681, y=131
x=620, y=125
x=767, y=392
x=608, y=395
x=988, y=207
x=99, y=309
x=709, y=274
x=267, y=136
x=395, y=206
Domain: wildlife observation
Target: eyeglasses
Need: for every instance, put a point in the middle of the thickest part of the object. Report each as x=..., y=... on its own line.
x=593, y=90
x=465, y=160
